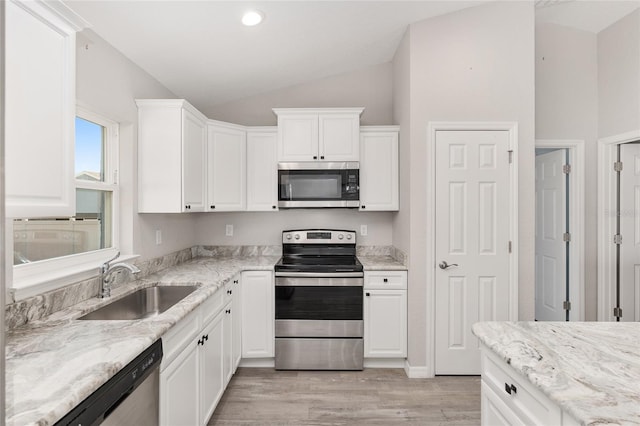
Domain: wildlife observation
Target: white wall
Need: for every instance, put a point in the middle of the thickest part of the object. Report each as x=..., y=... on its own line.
x=472, y=65
x=370, y=87
x=108, y=83
x=567, y=108
x=619, y=77
x=265, y=228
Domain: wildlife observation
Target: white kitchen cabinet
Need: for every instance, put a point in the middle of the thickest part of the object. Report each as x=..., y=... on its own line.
x=257, y=311
x=211, y=367
x=509, y=398
x=40, y=52
x=236, y=309
x=226, y=167
x=171, y=156
x=262, y=169
x=379, y=173
x=180, y=389
x=324, y=134
x=385, y=314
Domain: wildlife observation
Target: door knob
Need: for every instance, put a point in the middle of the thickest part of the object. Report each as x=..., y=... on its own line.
x=445, y=265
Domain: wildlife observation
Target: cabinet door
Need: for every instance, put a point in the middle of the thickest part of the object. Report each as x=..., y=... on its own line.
x=236, y=319
x=179, y=389
x=40, y=112
x=379, y=171
x=193, y=156
x=385, y=323
x=211, y=367
x=339, y=137
x=298, y=137
x=262, y=171
x=226, y=162
x=257, y=314
x=227, y=345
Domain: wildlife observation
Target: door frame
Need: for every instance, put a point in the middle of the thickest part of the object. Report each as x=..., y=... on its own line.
x=607, y=155
x=432, y=128
x=576, y=218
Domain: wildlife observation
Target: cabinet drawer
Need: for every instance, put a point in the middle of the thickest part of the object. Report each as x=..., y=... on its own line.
x=385, y=280
x=532, y=405
x=212, y=306
x=179, y=336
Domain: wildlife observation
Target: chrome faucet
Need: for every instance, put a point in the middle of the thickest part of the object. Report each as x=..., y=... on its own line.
x=107, y=271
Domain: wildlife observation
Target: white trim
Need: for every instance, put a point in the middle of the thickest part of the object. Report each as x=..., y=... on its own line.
x=432, y=128
x=606, y=220
x=384, y=363
x=576, y=220
x=417, y=372
x=257, y=362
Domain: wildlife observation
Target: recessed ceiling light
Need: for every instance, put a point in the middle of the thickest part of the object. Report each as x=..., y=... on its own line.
x=252, y=17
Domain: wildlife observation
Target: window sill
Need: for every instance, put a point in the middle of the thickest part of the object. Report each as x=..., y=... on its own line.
x=32, y=279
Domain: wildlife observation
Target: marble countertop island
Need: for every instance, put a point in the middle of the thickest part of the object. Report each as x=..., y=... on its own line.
x=590, y=369
x=54, y=364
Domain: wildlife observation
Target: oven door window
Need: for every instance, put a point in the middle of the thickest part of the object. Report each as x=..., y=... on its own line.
x=318, y=303
x=309, y=185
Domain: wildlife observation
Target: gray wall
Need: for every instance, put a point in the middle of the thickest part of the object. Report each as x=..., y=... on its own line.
x=472, y=65
x=567, y=108
x=370, y=87
x=619, y=77
x=108, y=83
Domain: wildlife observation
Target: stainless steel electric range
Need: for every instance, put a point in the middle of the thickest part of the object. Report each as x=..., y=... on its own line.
x=318, y=312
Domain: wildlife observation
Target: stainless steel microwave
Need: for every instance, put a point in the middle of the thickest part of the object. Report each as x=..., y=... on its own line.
x=319, y=184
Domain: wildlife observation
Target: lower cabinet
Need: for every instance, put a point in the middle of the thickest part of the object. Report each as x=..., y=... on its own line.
x=211, y=368
x=508, y=398
x=179, y=390
x=385, y=314
x=257, y=310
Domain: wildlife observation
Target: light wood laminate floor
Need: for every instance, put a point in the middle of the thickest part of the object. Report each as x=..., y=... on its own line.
x=263, y=396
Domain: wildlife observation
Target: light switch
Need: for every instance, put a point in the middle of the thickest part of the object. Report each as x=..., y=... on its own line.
x=363, y=230
x=158, y=237
x=229, y=230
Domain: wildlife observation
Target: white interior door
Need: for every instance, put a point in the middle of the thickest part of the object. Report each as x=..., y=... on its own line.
x=551, y=224
x=472, y=237
x=630, y=231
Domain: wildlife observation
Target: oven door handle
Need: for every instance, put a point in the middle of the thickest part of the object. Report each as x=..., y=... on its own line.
x=319, y=281
x=320, y=274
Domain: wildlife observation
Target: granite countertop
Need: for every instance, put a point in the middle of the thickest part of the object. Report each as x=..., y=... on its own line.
x=590, y=369
x=54, y=364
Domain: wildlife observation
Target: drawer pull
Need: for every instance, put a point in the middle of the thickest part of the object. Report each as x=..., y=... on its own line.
x=385, y=280
x=510, y=388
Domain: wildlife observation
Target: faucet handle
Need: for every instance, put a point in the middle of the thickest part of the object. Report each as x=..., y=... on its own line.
x=106, y=264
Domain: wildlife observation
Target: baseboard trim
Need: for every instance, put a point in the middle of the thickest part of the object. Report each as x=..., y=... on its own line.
x=257, y=362
x=384, y=362
x=414, y=372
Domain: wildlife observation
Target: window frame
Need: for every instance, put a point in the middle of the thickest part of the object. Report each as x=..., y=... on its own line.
x=31, y=279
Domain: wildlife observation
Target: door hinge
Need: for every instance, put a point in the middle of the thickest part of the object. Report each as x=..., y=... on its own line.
x=566, y=305
x=617, y=312
x=566, y=237
x=617, y=239
x=510, y=247
x=510, y=156
x=617, y=166
x=566, y=169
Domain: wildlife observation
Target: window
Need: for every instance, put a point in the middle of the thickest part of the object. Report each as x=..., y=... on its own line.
x=90, y=235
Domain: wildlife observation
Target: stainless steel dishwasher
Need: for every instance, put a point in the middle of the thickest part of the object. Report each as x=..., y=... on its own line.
x=131, y=397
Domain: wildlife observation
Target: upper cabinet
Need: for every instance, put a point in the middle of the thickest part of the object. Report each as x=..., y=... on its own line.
x=262, y=169
x=325, y=134
x=379, y=168
x=226, y=167
x=171, y=156
x=40, y=102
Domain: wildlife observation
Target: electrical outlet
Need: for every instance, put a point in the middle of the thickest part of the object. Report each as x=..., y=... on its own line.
x=363, y=230
x=229, y=231
x=158, y=237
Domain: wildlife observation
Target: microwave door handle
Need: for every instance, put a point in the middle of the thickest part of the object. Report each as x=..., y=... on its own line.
x=290, y=191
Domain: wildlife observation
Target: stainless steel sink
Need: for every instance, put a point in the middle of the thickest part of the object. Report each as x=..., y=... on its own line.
x=143, y=303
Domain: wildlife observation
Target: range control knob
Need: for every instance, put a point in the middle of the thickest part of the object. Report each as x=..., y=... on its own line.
x=348, y=236
x=297, y=236
x=340, y=236
x=288, y=236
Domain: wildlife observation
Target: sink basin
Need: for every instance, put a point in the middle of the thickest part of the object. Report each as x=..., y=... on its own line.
x=143, y=303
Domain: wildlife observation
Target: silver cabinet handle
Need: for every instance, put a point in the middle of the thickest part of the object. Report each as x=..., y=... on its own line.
x=445, y=265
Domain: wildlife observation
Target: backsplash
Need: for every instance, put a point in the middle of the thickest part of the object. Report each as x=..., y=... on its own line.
x=38, y=307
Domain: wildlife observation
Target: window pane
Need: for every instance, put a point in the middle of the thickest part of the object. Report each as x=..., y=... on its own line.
x=89, y=150
x=90, y=229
